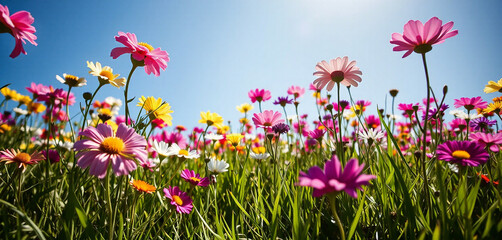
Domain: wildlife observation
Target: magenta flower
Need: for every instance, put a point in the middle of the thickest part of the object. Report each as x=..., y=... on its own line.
x=19, y=26
x=283, y=101
x=259, y=95
x=152, y=59
x=470, y=103
x=491, y=141
x=465, y=153
x=53, y=155
x=267, y=119
x=408, y=108
x=102, y=146
x=419, y=38
x=179, y=199
x=338, y=70
x=37, y=89
x=194, y=179
x=334, y=179
x=458, y=124
x=296, y=91
x=317, y=134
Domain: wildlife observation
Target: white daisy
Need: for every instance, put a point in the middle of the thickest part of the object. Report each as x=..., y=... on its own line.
x=72, y=81
x=105, y=74
x=213, y=136
x=161, y=148
x=175, y=150
x=20, y=111
x=371, y=134
x=259, y=156
x=217, y=166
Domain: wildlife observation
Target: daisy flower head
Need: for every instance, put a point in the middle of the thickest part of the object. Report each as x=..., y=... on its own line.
x=72, y=81
x=267, y=119
x=175, y=150
x=419, y=38
x=19, y=25
x=234, y=138
x=10, y=94
x=493, y=86
x=20, y=158
x=102, y=146
x=194, y=179
x=217, y=166
x=142, y=186
x=211, y=119
x=482, y=123
x=161, y=148
x=491, y=141
x=334, y=178
x=280, y=128
x=494, y=107
x=179, y=199
x=371, y=135
x=156, y=109
x=260, y=95
x=338, y=70
x=245, y=107
x=142, y=54
x=296, y=91
x=465, y=153
x=283, y=101
x=259, y=156
x=105, y=75
x=213, y=137
x=470, y=103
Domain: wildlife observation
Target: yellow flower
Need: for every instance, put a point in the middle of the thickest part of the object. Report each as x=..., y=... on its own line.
x=245, y=107
x=10, y=94
x=72, y=81
x=105, y=111
x=112, y=124
x=211, y=119
x=35, y=107
x=493, y=86
x=493, y=107
x=259, y=150
x=105, y=75
x=234, y=139
x=244, y=121
x=23, y=99
x=5, y=128
x=316, y=95
x=222, y=130
x=156, y=108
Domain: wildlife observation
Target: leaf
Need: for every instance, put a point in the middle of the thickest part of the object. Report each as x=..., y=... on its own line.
x=30, y=222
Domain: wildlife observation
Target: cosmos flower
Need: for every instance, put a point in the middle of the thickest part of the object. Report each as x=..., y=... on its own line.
x=37, y=89
x=296, y=91
x=211, y=119
x=334, y=179
x=490, y=141
x=19, y=25
x=156, y=108
x=338, y=70
x=470, y=103
x=465, y=153
x=260, y=95
x=102, y=146
x=419, y=38
x=142, y=186
x=152, y=59
x=217, y=166
x=493, y=86
x=20, y=158
x=194, y=179
x=72, y=81
x=105, y=75
x=181, y=200
x=267, y=119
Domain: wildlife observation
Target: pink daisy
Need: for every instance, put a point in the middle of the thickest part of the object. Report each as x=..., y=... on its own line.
x=296, y=91
x=491, y=141
x=267, y=119
x=470, y=103
x=407, y=108
x=194, y=179
x=419, y=38
x=465, y=153
x=179, y=199
x=19, y=26
x=338, y=70
x=259, y=95
x=21, y=158
x=37, y=89
x=152, y=59
x=102, y=146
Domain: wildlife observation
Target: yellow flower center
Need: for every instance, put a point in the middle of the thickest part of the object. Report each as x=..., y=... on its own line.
x=22, y=157
x=461, y=154
x=195, y=179
x=177, y=200
x=112, y=145
x=150, y=48
x=183, y=152
x=106, y=74
x=71, y=80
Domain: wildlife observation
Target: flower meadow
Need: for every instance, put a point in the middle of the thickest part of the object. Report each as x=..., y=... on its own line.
x=79, y=167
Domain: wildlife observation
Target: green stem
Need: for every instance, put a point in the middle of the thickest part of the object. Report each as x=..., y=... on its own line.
x=109, y=204
x=424, y=151
x=332, y=203
x=134, y=66
x=88, y=105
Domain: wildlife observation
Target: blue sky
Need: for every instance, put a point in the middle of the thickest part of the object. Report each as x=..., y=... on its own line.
x=222, y=49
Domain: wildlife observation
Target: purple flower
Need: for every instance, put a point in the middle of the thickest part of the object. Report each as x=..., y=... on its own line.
x=333, y=179
x=482, y=123
x=280, y=128
x=465, y=153
x=53, y=155
x=283, y=101
x=194, y=179
x=179, y=199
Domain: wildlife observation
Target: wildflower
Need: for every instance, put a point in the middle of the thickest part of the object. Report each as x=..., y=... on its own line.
x=408, y=108
x=234, y=139
x=296, y=91
x=482, y=123
x=103, y=146
x=21, y=158
x=9, y=93
x=267, y=119
x=19, y=26
x=72, y=81
x=317, y=134
x=494, y=107
x=259, y=95
x=181, y=200
x=465, y=153
x=280, y=128
x=338, y=70
x=194, y=179
x=53, y=155
x=283, y=101
x=23, y=99
x=175, y=150
x=156, y=109
x=213, y=137
x=334, y=179
x=35, y=107
x=491, y=141
x=143, y=53
x=259, y=156
x=211, y=119
x=245, y=107
x=20, y=111
x=371, y=135
x=161, y=148
x=458, y=124
x=419, y=38
x=142, y=186
x=217, y=166
x=105, y=75
x=470, y=103
x=493, y=86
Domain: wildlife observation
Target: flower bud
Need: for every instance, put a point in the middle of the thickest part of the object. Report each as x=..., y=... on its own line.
x=393, y=92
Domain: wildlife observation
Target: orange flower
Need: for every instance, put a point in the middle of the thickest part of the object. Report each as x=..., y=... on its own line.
x=143, y=186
